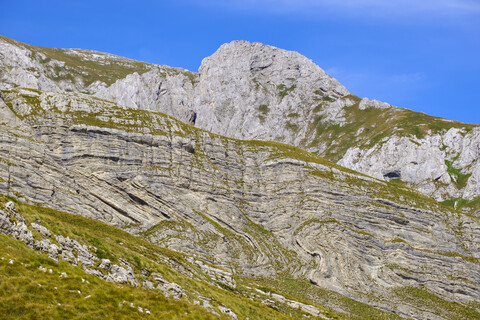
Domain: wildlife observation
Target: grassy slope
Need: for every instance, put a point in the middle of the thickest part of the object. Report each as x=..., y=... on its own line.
x=29, y=293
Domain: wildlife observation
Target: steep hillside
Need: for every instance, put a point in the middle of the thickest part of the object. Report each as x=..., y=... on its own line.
x=256, y=210
x=253, y=91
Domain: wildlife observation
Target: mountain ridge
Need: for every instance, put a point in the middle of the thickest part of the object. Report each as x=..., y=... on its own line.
x=266, y=211
x=255, y=91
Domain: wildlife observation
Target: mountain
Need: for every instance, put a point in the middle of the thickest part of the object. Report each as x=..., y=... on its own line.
x=254, y=91
x=244, y=228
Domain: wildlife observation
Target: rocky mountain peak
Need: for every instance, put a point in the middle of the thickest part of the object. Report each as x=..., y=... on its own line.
x=245, y=90
x=242, y=60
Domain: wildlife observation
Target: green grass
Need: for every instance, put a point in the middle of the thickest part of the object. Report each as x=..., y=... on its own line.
x=291, y=126
x=29, y=293
x=464, y=204
x=353, y=309
x=283, y=90
x=318, y=108
x=456, y=203
x=264, y=109
x=328, y=98
x=436, y=305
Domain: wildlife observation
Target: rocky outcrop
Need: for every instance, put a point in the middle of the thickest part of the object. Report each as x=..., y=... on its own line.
x=58, y=247
x=162, y=89
x=249, y=207
x=246, y=90
x=274, y=299
x=440, y=165
x=13, y=224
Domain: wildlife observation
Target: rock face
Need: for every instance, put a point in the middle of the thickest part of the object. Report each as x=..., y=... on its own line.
x=166, y=90
x=254, y=91
x=250, y=207
x=246, y=90
x=426, y=163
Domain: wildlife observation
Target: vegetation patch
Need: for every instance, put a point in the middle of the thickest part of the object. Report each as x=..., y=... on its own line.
x=435, y=304
x=283, y=90
x=318, y=108
x=26, y=292
x=304, y=288
x=291, y=126
x=457, y=176
x=264, y=109
x=329, y=99
x=455, y=203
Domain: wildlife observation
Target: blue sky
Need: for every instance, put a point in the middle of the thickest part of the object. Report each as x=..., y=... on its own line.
x=422, y=55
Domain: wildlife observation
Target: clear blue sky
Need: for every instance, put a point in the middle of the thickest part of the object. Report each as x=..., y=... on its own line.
x=422, y=55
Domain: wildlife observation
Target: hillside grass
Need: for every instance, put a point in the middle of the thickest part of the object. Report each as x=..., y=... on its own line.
x=436, y=305
x=460, y=179
x=29, y=293
x=469, y=206
x=352, y=309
